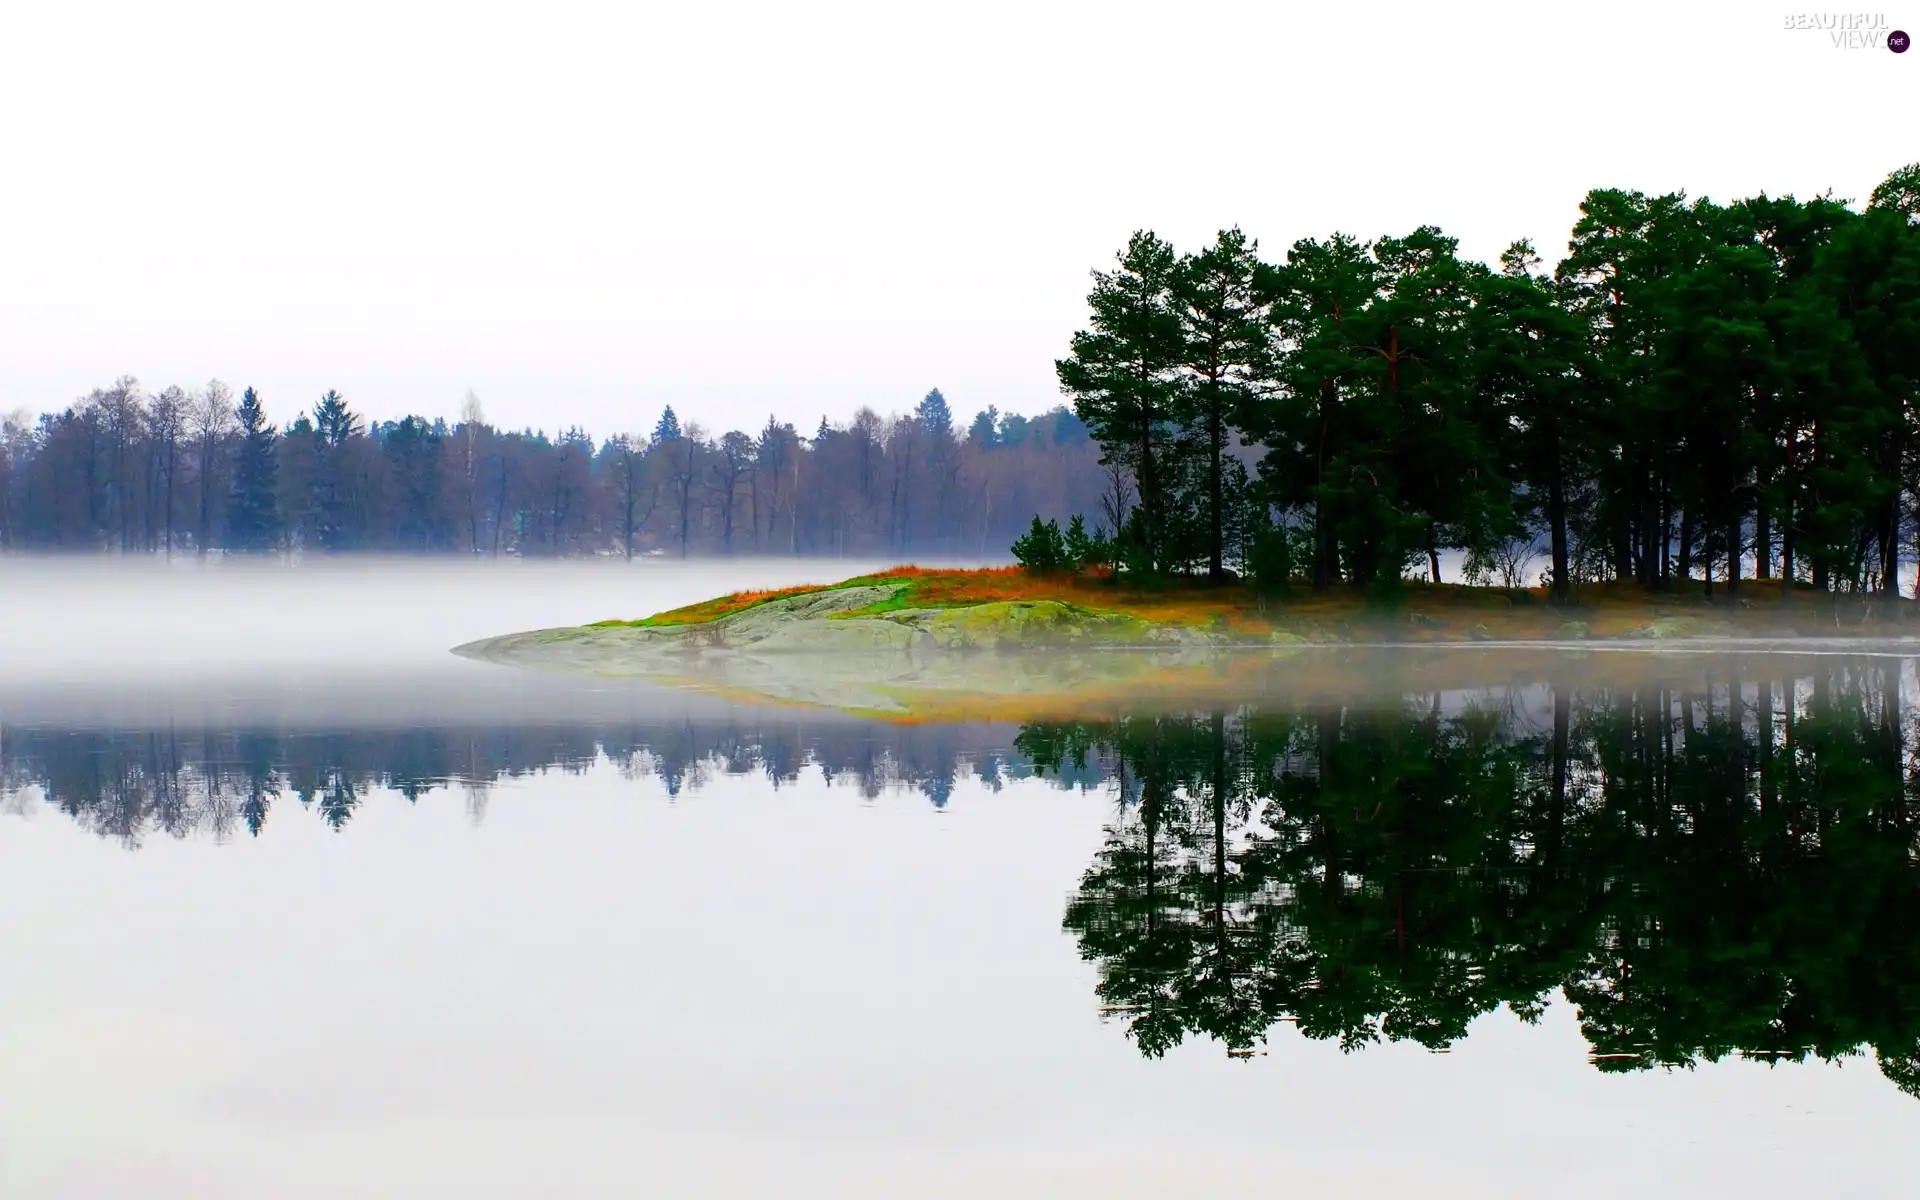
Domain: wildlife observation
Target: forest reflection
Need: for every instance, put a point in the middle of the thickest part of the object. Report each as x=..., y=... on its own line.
x=1723, y=869
x=1704, y=866
x=181, y=781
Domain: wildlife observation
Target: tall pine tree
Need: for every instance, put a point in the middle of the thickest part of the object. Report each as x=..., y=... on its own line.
x=1122, y=374
x=1227, y=363
x=253, y=519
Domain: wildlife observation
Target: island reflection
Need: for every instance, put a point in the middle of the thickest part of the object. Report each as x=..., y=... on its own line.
x=1719, y=862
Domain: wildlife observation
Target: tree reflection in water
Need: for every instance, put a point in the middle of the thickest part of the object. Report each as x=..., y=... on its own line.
x=1727, y=869
x=1720, y=867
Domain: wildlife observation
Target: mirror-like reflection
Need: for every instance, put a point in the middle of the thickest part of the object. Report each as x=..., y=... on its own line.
x=133, y=784
x=1719, y=862
x=1705, y=871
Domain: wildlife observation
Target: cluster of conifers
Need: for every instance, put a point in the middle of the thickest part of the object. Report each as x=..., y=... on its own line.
x=1696, y=391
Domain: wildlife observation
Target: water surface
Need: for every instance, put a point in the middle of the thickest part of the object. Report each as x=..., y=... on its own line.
x=377, y=922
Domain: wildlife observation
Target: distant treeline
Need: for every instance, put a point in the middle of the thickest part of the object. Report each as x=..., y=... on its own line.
x=1695, y=391
x=179, y=472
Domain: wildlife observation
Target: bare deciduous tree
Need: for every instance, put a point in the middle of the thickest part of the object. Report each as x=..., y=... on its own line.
x=473, y=423
x=730, y=467
x=211, y=422
x=166, y=423
x=683, y=458
x=639, y=492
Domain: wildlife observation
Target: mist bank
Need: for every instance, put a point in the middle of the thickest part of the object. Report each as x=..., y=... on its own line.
x=142, y=622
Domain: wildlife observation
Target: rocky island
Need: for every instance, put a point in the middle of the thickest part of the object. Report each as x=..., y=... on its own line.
x=913, y=641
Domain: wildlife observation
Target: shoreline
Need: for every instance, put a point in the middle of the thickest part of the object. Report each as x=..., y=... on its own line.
x=868, y=647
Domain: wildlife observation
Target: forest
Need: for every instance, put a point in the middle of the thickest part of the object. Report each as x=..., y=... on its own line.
x=196, y=472
x=1696, y=394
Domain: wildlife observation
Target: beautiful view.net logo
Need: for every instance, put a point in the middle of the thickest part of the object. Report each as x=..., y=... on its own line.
x=1852, y=31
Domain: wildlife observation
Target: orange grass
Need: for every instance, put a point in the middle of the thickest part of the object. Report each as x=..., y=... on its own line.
x=1174, y=603
x=1608, y=610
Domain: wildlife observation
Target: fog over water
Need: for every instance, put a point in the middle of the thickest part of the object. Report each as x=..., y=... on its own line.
x=294, y=903
x=72, y=620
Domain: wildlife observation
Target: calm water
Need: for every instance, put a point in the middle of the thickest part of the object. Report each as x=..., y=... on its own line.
x=315, y=910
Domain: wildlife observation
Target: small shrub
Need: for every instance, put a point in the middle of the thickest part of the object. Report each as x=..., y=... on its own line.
x=1270, y=562
x=1041, y=550
x=1100, y=551
x=1077, y=547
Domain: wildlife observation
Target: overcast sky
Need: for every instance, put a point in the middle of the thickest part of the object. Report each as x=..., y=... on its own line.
x=584, y=212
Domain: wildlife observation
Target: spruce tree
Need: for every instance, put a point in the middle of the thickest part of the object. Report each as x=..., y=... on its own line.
x=934, y=415
x=253, y=519
x=667, y=428
x=334, y=426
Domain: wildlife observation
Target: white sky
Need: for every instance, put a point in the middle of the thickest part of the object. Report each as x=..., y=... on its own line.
x=585, y=212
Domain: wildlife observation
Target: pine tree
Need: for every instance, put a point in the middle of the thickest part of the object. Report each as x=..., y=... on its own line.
x=1314, y=441
x=253, y=519
x=1532, y=364
x=1227, y=352
x=1122, y=376
x=985, y=430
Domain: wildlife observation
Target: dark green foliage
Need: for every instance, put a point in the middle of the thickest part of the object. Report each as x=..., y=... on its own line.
x=1227, y=353
x=934, y=415
x=1041, y=549
x=985, y=429
x=1076, y=546
x=1899, y=192
x=253, y=519
x=1270, y=561
x=1697, y=392
x=1044, y=549
x=1704, y=873
x=667, y=428
x=1123, y=376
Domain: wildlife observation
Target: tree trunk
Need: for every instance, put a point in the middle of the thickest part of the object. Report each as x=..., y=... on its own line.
x=1557, y=535
x=1683, y=569
x=1786, y=554
x=1733, y=555
x=1324, y=555
x=1916, y=555
x=1890, y=547
x=1216, y=518
x=1562, y=724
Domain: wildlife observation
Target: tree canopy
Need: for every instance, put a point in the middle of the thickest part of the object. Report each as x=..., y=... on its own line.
x=1696, y=394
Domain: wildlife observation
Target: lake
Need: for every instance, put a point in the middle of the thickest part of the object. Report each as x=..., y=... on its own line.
x=295, y=904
